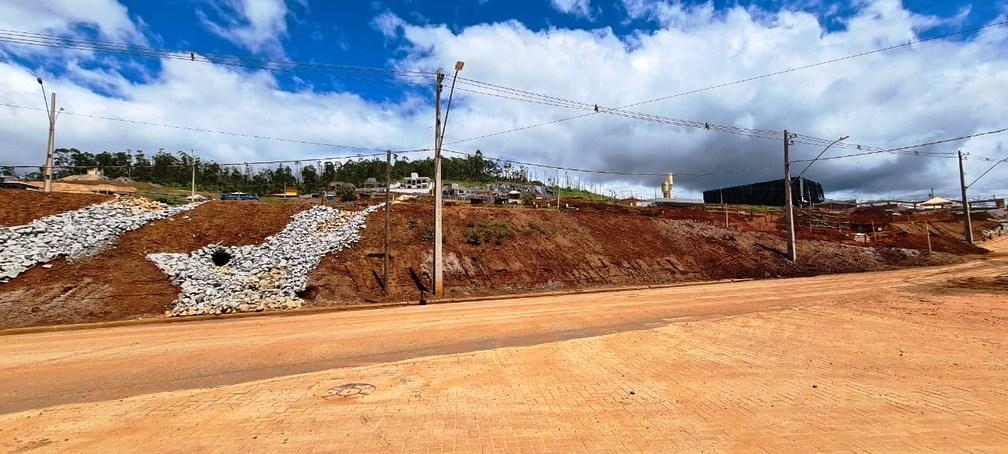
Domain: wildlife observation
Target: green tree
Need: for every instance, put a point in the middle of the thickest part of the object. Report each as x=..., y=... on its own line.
x=309, y=179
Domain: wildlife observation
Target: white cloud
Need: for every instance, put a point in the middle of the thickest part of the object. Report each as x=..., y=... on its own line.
x=670, y=14
x=579, y=8
x=45, y=16
x=388, y=23
x=257, y=25
x=933, y=90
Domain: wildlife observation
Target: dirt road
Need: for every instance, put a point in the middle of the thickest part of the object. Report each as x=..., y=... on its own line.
x=900, y=360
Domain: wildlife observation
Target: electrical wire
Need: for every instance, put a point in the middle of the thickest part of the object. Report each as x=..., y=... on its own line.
x=209, y=131
x=203, y=163
x=986, y=172
x=596, y=110
x=907, y=150
x=44, y=40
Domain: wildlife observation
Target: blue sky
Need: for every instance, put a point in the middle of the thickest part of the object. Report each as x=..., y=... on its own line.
x=345, y=32
x=610, y=53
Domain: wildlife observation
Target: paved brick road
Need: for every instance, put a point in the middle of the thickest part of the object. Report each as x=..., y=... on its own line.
x=911, y=360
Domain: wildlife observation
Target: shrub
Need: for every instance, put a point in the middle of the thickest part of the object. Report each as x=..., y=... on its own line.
x=346, y=192
x=536, y=228
x=169, y=200
x=487, y=233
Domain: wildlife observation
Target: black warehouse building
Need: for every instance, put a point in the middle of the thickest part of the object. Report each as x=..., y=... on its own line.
x=770, y=193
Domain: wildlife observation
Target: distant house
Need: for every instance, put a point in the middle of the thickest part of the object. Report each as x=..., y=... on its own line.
x=415, y=181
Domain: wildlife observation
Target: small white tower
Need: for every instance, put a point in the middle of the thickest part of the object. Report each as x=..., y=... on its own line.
x=666, y=187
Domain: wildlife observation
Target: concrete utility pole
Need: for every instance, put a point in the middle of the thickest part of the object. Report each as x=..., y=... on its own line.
x=388, y=213
x=47, y=176
x=966, y=208
x=927, y=231
x=192, y=156
x=724, y=207
x=437, y=268
x=438, y=258
x=788, y=207
x=556, y=184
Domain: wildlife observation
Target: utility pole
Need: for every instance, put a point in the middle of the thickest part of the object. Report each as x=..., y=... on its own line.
x=966, y=208
x=437, y=270
x=388, y=208
x=192, y=198
x=927, y=231
x=557, y=185
x=788, y=208
x=48, y=183
x=724, y=207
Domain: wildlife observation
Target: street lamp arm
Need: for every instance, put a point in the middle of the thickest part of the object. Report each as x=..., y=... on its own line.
x=451, y=92
x=822, y=153
x=45, y=98
x=986, y=172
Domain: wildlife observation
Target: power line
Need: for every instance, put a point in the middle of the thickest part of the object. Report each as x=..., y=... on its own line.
x=222, y=164
x=907, y=150
x=43, y=40
x=911, y=147
x=987, y=171
x=567, y=103
x=209, y=131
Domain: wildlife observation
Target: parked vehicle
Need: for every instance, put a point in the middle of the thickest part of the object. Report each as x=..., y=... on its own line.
x=238, y=196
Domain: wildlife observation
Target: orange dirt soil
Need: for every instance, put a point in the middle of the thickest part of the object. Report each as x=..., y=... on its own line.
x=120, y=283
x=912, y=360
x=518, y=250
x=19, y=207
x=595, y=245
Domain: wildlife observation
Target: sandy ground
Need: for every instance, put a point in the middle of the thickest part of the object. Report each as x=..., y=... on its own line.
x=907, y=360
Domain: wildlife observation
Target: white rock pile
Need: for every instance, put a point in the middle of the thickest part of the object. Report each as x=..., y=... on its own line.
x=268, y=276
x=75, y=234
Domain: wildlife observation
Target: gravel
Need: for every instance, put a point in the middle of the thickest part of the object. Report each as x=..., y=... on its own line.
x=268, y=276
x=75, y=234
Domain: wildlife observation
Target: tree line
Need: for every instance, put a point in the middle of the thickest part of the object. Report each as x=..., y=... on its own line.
x=176, y=169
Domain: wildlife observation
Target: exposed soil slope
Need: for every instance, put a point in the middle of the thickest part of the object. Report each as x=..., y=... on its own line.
x=19, y=207
x=120, y=283
x=497, y=250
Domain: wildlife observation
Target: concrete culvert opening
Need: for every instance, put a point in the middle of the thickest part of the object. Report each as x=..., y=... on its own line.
x=220, y=257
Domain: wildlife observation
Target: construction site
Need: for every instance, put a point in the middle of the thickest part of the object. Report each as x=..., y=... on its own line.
x=494, y=250
x=298, y=267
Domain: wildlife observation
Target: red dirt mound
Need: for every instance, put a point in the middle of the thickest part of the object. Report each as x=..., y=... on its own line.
x=21, y=207
x=120, y=283
x=501, y=250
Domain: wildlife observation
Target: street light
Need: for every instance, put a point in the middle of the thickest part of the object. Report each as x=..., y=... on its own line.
x=47, y=177
x=822, y=153
x=439, y=129
x=801, y=184
x=444, y=125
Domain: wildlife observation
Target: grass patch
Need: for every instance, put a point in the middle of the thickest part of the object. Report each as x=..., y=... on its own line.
x=537, y=229
x=495, y=233
x=170, y=200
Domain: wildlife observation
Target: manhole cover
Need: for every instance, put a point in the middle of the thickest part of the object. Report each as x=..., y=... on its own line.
x=348, y=390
